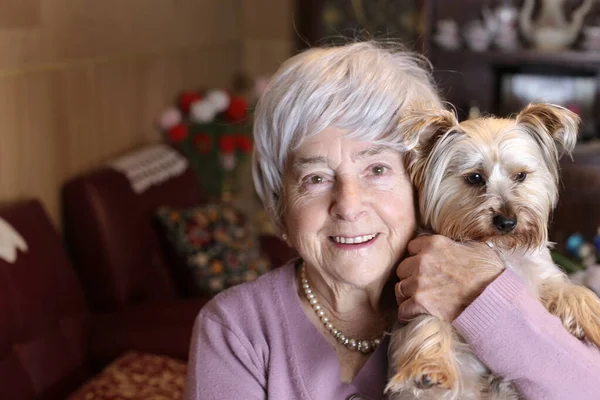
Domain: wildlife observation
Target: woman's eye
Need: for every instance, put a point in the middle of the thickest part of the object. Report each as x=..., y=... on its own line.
x=475, y=179
x=520, y=177
x=315, y=179
x=378, y=170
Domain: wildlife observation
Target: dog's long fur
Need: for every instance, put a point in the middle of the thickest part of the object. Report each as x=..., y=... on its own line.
x=428, y=359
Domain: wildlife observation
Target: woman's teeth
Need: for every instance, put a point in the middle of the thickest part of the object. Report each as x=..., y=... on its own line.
x=354, y=240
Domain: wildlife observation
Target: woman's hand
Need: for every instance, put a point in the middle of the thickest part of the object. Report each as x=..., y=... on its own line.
x=442, y=277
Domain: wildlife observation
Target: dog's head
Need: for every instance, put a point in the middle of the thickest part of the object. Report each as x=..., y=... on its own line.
x=490, y=179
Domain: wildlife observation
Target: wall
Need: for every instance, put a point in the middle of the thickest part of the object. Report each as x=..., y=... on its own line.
x=266, y=39
x=82, y=80
x=267, y=34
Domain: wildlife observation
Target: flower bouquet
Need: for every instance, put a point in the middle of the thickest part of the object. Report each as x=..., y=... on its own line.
x=214, y=131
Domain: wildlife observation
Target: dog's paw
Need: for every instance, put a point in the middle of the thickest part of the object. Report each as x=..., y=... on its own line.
x=497, y=388
x=578, y=309
x=420, y=376
x=433, y=378
x=423, y=361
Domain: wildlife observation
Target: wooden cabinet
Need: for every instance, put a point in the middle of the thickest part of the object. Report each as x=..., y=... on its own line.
x=326, y=21
x=468, y=78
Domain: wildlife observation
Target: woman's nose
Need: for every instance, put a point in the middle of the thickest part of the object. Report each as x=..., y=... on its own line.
x=348, y=200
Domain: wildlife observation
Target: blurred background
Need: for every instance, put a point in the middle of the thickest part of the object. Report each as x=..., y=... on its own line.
x=84, y=81
x=126, y=199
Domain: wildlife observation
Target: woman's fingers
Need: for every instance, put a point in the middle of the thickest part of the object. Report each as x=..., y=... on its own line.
x=409, y=309
x=421, y=244
x=443, y=277
x=399, y=292
x=406, y=288
x=407, y=267
x=416, y=245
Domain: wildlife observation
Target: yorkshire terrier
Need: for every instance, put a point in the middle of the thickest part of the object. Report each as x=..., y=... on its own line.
x=496, y=181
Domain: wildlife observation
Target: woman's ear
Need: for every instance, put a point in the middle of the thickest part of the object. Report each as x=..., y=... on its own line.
x=424, y=127
x=554, y=127
x=282, y=231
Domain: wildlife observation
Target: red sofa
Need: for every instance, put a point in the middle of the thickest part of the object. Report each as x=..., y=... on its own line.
x=47, y=340
x=43, y=316
x=124, y=265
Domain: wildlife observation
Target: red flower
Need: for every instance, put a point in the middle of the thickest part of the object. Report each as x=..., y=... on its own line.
x=237, y=110
x=227, y=144
x=244, y=143
x=177, y=133
x=202, y=143
x=186, y=99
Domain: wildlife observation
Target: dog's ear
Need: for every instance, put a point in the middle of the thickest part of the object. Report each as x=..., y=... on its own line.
x=427, y=125
x=424, y=127
x=553, y=127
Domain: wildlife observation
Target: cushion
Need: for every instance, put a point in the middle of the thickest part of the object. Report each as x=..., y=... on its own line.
x=136, y=376
x=215, y=246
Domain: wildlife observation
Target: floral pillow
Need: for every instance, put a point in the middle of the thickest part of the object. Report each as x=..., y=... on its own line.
x=216, y=246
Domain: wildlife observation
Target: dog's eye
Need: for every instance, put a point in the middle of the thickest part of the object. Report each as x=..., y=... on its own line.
x=475, y=179
x=520, y=177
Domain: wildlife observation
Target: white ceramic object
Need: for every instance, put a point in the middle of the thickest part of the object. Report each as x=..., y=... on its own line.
x=507, y=40
x=447, y=34
x=552, y=29
x=591, y=31
x=591, y=38
x=447, y=26
x=447, y=42
x=477, y=36
x=501, y=22
x=502, y=17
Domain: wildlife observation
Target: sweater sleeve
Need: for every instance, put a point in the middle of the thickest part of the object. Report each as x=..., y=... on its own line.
x=513, y=334
x=222, y=364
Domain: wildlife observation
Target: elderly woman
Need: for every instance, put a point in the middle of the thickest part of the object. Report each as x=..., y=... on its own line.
x=329, y=168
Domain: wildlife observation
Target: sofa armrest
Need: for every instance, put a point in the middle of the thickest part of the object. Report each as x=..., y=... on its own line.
x=163, y=328
x=276, y=249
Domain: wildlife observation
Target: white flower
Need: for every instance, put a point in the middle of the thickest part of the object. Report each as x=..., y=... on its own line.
x=202, y=111
x=228, y=161
x=169, y=118
x=219, y=99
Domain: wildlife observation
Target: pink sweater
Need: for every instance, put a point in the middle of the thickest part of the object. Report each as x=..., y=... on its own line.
x=254, y=341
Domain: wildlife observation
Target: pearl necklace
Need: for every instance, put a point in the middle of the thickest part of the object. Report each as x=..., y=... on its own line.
x=364, y=346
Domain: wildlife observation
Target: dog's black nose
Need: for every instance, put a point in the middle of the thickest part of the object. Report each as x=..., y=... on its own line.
x=504, y=224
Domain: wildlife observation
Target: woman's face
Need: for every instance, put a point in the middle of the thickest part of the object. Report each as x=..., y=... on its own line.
x=348, y=207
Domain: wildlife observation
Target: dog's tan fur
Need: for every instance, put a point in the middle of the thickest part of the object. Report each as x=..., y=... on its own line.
x=428, y=359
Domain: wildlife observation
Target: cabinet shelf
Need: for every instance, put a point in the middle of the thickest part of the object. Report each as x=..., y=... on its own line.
x=571, y=58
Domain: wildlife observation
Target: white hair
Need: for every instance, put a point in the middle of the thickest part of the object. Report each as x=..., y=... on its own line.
x=361, y=87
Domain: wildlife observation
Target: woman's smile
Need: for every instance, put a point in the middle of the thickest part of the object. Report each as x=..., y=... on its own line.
x=353, y=242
